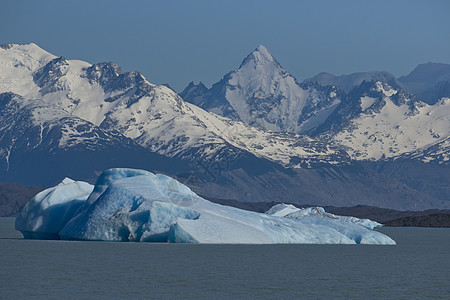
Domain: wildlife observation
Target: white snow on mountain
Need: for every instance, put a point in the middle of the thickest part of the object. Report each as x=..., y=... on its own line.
x=396, y=128
x=154, y=116
x=260, y=92
x=33, y=124
x=384, y=122
x=257, y=84
x=17, y=64
x=438, y=152
x=263, y=94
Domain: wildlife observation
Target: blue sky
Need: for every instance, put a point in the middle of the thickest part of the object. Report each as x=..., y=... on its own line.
x=177, y=42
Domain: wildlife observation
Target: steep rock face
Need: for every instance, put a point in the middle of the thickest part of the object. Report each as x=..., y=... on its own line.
x=429, y=82
x=262, y=94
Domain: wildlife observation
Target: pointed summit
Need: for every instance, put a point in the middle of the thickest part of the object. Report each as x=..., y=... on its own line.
x=259, y=56
x=263, y=54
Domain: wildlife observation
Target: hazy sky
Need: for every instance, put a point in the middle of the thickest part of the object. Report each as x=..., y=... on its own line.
x=177, y=42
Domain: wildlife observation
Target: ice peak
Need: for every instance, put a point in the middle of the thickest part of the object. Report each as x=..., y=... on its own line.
x=26, y=47
x=259, y=56
x=263, y=51
x=30, y=54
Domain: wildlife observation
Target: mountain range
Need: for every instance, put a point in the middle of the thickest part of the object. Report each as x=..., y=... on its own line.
x=255, y=135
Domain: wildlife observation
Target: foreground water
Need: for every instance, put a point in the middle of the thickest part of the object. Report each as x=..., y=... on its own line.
x=418, y=267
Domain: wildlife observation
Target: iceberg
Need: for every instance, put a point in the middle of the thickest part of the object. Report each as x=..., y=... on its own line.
x=47, y=212
x=140, y=206
x=290, y=211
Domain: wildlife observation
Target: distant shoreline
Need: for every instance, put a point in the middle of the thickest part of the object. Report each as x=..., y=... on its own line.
x=388, y=217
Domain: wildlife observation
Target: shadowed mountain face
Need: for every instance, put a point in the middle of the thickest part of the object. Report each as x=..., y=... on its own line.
x=14, y=196
x=348, y=82
x=429, y=82
x=60, y=117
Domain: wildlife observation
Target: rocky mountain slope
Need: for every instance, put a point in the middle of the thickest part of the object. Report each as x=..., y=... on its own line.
x=368, y=114
x=262, y=94
x=58, y=116
x=153, y=116
x=377, y=122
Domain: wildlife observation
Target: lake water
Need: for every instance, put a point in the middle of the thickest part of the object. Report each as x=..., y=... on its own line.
x=417, y=268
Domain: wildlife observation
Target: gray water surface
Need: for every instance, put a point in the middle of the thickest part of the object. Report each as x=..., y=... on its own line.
x=417, y=268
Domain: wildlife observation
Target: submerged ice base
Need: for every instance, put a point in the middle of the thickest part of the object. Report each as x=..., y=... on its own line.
x=136, y=205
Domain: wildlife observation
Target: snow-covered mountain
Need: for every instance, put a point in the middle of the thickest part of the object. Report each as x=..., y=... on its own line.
x=38, y=124
x=37, y=138
x=368, y=114
x=262, y=94
x=430, y=82
x=60, y=114
x=377, y=122
x=153, y=116
x=348, y=82
x=438, y=153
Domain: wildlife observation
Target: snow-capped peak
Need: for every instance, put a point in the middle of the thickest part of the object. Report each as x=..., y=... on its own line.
x=263, y=94
x=17, y=65
x=387, y=90
x=260, y=56
x=29, y=52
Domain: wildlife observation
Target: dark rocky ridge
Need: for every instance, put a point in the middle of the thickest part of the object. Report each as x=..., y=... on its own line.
x=433, y=220
x=14, y=196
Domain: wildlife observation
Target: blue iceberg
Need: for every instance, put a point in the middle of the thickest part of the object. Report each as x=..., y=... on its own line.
x=47, y=213
x=139, y=206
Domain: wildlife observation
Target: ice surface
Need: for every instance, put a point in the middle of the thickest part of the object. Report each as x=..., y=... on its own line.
x=136, y=205
x=44, y=215
x=292, y=212
x=281, y=210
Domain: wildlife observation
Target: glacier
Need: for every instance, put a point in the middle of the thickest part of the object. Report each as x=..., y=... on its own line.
x=140, y=206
